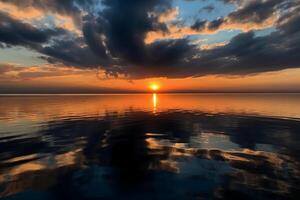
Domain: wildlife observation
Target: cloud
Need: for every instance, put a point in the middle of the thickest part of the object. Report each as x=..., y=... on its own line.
x=15, y=72
x=4, y=68
x=15, y=32
x=168, y=15
x=213, y=45
x=249, y=16
x=141, y=39
x=73, y=8
x=256, y=11
x=208, y=8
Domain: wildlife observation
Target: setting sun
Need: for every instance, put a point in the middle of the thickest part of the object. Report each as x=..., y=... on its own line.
x=154, y=87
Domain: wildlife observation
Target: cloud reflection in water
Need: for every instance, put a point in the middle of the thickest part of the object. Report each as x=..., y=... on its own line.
x=136, y=153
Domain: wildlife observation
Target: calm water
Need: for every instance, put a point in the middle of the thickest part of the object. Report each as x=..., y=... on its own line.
x=150, y=146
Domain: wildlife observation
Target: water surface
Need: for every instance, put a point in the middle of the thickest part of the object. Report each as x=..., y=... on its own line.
x=150, y=146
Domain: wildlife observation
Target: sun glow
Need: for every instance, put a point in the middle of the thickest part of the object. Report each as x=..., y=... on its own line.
x=154, y=87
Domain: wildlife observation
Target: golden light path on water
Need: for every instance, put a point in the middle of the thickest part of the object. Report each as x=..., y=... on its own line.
x=154, y=101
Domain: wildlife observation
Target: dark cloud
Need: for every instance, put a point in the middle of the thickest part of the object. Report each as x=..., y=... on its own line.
x=208, y=8
x=71, y=52
x=215, y=24
x=73, y=8
x=256, y=11
x=199, y=25
x=233, y=1
x=246, y=53
x=125, y=25
x=15, y=32
x=114, y=39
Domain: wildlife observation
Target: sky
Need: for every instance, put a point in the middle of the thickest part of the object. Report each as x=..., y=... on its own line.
x=94, y=46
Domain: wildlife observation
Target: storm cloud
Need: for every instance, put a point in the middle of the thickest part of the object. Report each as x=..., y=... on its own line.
x=113, y=38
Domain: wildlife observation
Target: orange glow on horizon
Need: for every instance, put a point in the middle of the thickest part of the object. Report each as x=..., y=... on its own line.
x=79, y=81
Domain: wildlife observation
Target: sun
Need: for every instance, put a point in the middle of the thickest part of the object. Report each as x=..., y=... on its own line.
x=154, y=86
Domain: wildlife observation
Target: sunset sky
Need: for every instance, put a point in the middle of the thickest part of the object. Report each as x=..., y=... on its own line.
x=91, y=46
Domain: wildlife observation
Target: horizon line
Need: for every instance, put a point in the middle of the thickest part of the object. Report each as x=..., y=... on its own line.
x=180, y=92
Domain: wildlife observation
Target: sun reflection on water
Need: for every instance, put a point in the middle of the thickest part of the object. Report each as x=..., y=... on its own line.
x=154, y=102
